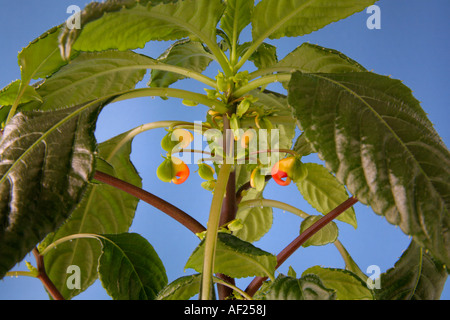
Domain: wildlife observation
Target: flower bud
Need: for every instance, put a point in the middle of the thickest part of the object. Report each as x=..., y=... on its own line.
x=257, y=180
x=165, y=170
x=205, y=172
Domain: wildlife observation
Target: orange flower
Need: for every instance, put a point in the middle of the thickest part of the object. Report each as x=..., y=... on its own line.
x=181, y=171
x=283, y=169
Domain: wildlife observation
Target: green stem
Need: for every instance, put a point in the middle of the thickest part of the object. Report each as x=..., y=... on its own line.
x=231, y=286
x=263, y=72
x=212, y=229
x=143, y=128
x=174, y=93
x=185, y=72
x=260, y=82
x=20, y=273
x=274, y=204
x=13, y=109
x=249, y=122
x=69, y=238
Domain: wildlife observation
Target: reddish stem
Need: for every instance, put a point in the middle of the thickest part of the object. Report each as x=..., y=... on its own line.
x=48, y=284
x=300, y=240
x=153, y=200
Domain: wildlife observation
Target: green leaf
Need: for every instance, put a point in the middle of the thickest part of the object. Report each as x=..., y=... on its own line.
x=182, y=288
x=256, y=221
x=236, y=17
x=346, y=284
x=9, y=94
x=129, y=267
x=235, y=258
x=328, y=234
x=311, y=58
x=374, y=135
x=415, y=276
x=276, y=105
x=41, y=58
x=113, y=25
x=186, y=54
x=287, y=18
x=265, y=56
x=47, y=160
x=324, y=192
x=302, y=146
x=91, y=76
x=103, y=210
x=308, y=287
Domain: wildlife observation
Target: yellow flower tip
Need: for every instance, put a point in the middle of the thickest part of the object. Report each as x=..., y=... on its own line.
x=247, y=137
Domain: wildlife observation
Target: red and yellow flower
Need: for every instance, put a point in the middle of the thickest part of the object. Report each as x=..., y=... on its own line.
x=173, y=170
x=288, y=169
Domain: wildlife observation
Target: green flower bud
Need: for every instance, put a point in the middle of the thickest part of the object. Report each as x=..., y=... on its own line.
x=165, y=170
x=205, y=172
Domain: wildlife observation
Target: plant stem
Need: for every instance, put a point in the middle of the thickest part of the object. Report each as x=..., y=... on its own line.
x=20, y=273
x=246, y=186
x=300, y=240
x=274, y=204
x=211, y=234
x=229, y=209
x=166, y=207
x=48, y=284
x=174, y=93
x=262, y=82
x=232, y=287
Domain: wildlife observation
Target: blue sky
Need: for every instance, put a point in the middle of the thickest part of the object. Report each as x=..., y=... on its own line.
x=412, y=45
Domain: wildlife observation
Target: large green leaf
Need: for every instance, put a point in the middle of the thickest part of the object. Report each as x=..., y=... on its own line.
x=292, y=18
x=235, y=258
x=186, y=54
x=374, y=135
x=129, y=267
x=9, y=94
x=314, y=59
x=130, y=25
x=103, y=210
x=236, y=17
x=321, y=189
x=47, y=160
x=91, y=76
x=308, y=287
x=41, y=58
x=182, y=288
x=256, y=221
x=346, y=284
x=327, y=234
x=416, y=276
